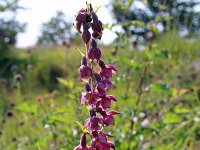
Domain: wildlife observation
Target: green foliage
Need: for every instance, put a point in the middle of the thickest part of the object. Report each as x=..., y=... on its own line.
x=9, y=28
x=56, y=31
x=166, y=117
x=141, y=23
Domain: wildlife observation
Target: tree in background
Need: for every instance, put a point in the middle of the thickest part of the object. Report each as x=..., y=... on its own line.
x=142, y=23
x=9, y=28
x=56, y=31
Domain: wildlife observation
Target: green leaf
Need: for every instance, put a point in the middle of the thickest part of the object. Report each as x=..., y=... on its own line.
x=172, y=118
x=82, y=127
x=130, y=1
x=180, y=109
x=96, y=9
x=24, y=107
x=82, y=54
x=66, y=83
x=149, y=54
x=62, y=81
x=154, y=29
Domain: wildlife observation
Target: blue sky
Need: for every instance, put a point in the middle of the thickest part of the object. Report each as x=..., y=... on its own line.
x=39, y=11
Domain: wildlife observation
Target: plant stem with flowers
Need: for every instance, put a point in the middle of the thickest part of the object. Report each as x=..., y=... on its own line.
x=96, y=76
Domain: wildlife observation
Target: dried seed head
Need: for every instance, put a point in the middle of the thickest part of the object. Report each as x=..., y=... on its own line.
x=13, y=104
x=3, y=121
x=9, y=113
x=13, y=139
x=21, y=123
x=18, y=77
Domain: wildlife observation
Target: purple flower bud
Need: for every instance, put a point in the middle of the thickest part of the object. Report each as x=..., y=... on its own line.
x=97, y=35
x=88, y=18
x=97, y=26
x=97, y=77
x=91, y=8
x=93, y=43
x=81, y=17
x=94, y=53
x=83, y=140
x=85, y=72
x=78, y=26
x=87, y=87
x=101, y=111
x=86, y=26
x=109, y=120
x=92, y=112
x=102, y=64
x=84, y=61
x=94, y=16
x=86, y=36
x=94, y=133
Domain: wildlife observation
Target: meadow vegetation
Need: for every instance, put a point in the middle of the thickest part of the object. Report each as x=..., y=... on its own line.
x=157, y=89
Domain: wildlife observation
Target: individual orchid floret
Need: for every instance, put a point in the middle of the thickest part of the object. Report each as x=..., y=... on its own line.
x=97, y=26
x=106, y=101
x=102, y=85
x=86, y=34
x=81, y=17
x=109, y=117
x=84, y=71
x=94, y=52
x=88, y=97
x=106, y=70
x=101, y=142
x=94, y=123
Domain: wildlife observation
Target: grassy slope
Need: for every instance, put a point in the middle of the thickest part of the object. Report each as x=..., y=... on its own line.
x=44, y=118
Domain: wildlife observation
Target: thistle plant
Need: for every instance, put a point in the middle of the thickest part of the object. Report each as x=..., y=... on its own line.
x=96, y=76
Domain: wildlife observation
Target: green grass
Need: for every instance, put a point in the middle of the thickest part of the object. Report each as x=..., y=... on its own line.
x=46, y=111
